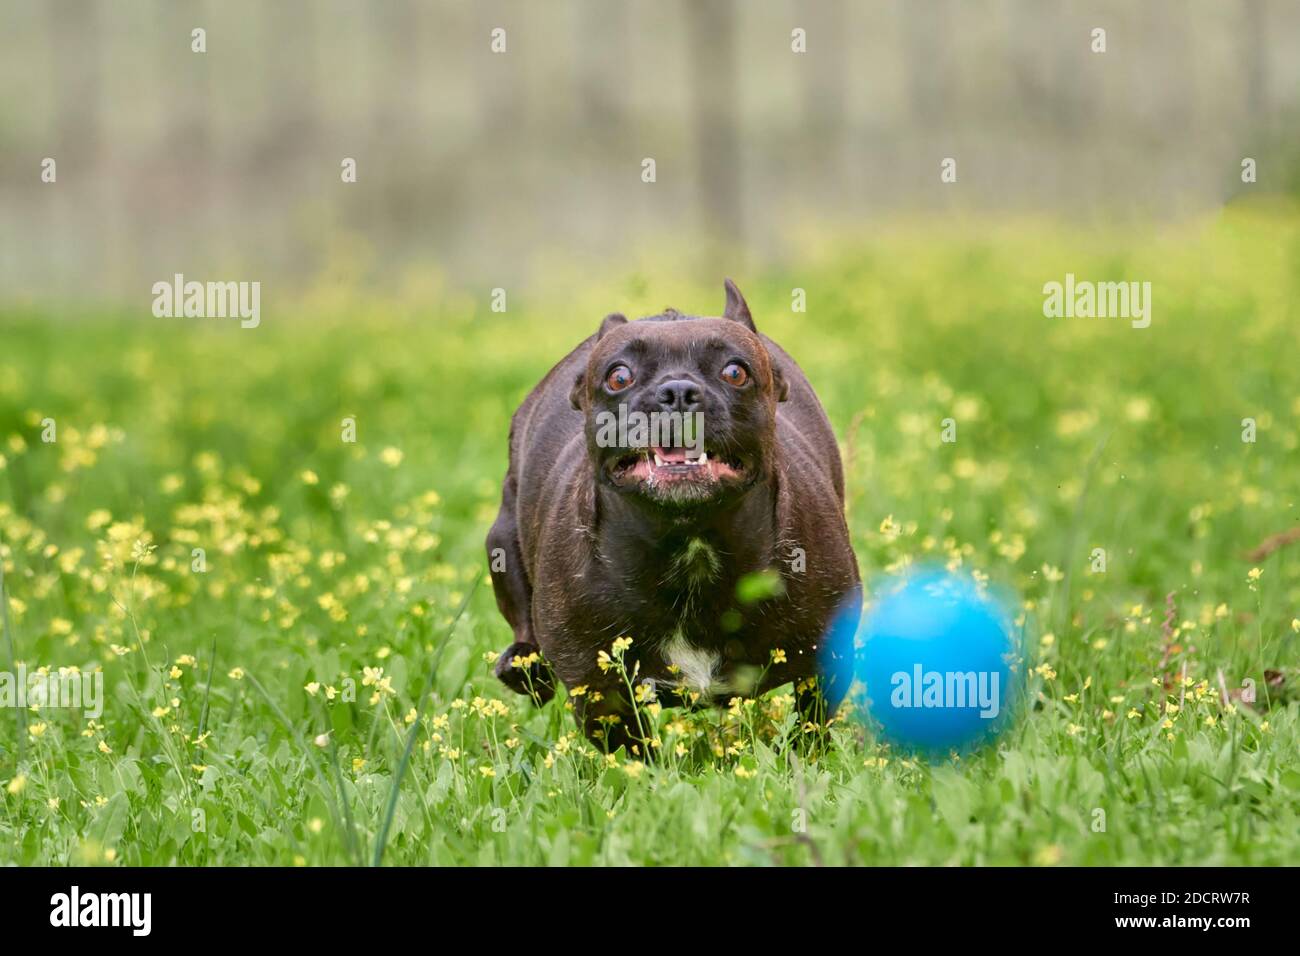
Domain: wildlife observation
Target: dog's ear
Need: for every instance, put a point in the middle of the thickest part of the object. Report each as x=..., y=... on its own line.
x=779, y=385
x=609, y=323
x=737, y=308
x=579, y=389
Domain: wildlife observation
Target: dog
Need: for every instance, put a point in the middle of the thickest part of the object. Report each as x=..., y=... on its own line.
x=721, y=550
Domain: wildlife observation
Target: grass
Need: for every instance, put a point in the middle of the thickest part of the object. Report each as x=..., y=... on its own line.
x=260, y=711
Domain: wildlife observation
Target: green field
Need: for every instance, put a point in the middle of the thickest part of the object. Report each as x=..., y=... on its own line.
x=229, y=734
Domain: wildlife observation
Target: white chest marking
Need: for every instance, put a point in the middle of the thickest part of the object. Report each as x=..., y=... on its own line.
x=697, y=666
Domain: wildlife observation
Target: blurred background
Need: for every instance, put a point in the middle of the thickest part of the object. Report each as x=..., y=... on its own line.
x=486, y=168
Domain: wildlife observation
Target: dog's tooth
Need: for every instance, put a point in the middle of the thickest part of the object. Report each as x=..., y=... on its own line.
x=703, y=459
x=658, y=460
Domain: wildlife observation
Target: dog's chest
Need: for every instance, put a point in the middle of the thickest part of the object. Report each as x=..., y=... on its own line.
x=692, y=643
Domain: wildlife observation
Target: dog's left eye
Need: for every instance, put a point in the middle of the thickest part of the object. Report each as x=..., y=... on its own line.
x=735, y=375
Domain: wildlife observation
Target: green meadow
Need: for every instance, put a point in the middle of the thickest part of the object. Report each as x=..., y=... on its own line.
x=294, y=631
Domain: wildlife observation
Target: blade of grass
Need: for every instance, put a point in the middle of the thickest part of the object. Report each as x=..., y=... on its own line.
x=311, y=757
x=207, y=688
x=382, y=840
x=20, y=713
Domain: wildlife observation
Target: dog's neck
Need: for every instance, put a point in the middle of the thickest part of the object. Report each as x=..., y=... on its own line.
x=743, y=533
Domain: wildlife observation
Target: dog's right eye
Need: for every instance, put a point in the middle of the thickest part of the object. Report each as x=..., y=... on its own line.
x=619, y=378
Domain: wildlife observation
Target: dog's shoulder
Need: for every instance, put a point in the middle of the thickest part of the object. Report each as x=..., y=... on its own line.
x=550, y=397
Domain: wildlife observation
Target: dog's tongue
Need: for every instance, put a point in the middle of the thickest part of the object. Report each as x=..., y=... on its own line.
x=671, y=455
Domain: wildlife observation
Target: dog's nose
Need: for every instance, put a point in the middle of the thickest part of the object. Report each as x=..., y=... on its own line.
x=678, y=395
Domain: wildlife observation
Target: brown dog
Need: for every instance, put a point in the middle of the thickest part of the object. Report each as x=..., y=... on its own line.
x=720, y=550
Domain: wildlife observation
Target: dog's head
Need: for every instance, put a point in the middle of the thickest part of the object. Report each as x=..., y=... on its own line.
x=681, y=410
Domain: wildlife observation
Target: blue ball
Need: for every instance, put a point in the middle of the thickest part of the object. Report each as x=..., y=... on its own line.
x=935, y=653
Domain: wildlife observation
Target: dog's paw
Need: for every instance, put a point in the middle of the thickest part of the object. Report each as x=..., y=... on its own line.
x=521, y=668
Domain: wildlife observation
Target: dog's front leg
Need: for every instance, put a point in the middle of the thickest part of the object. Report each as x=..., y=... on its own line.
x=520, y=666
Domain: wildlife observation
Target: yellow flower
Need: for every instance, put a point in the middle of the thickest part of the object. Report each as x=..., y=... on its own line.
x=37, y=730
x=236, y=673
x=621, y=644
x=1132, y=713
x=487, y=771
x=1047, y=640
x=357, y=764
x=633, y=768
x=1254, y=574
x=104, y=748
x=315, y=824
x=17, y=784
x=310, y=477
x=778, y=656
x=312, y=687
x=175, y=673
x=1049, y=855
x=390, y=456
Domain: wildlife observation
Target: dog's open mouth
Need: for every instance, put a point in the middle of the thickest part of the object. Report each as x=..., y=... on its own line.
x=657, y=465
